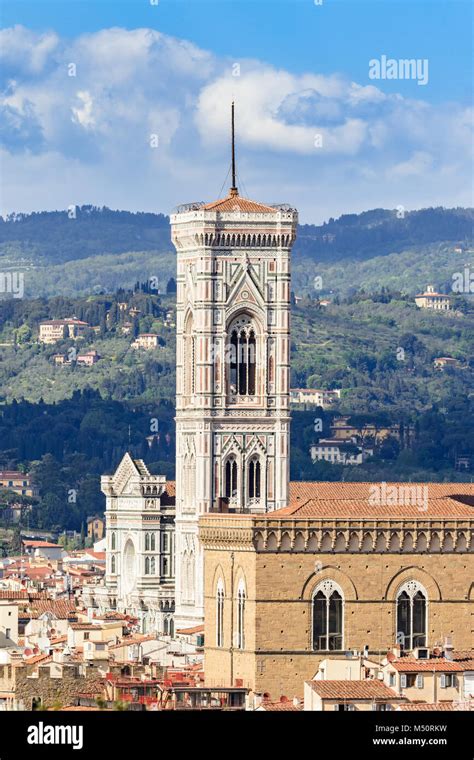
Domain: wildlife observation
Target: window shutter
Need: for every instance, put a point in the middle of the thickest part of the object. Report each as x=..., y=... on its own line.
x=443, y=680
x=403, y=681
x=419, y=681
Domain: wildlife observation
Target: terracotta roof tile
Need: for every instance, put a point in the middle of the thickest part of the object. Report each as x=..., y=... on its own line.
x=427, y=706
x=411, y=665
x=352, y=690
x=315, y=499
x=193, y=629
x=281, y=707
x=60, y=608
x=237, y=203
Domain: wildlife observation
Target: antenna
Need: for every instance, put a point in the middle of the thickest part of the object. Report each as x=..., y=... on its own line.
x=233, y=189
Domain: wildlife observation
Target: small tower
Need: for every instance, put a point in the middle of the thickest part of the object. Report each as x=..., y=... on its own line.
x=233, y=369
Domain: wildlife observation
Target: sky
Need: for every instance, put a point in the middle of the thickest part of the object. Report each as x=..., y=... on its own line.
x=126, y=104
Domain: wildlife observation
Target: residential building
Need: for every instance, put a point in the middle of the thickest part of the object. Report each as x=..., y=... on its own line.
x=53, y=330
x=43, y=549
x=344, y=695
x=430, y=299
x=86, y=358
x=95, y=527
x=147, y=341
x=19, y=482
x=336, y=451
x=445, y=361
x=8, y=624
x=343, y=429
x=432, y=680
x=323, y=398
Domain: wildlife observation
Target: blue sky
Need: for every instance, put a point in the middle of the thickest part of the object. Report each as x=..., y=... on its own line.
x=304, y=72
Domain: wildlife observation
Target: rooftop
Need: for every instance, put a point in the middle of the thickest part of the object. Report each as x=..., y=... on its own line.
x=440, y=665
x=235, y=202
x=352, y=690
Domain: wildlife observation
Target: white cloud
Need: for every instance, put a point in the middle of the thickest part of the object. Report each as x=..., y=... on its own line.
x=84, y=115
x=94, y=129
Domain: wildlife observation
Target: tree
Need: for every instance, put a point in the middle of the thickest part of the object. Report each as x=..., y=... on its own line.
x=171, y=286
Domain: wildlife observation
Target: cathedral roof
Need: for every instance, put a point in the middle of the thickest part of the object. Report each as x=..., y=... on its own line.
x=235, y=202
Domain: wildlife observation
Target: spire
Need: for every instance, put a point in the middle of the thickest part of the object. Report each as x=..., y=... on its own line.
x=233, y=189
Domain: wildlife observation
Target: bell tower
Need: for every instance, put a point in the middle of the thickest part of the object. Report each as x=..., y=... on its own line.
x=232, y=369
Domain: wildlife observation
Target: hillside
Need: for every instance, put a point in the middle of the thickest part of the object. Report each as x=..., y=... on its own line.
x=100, y=250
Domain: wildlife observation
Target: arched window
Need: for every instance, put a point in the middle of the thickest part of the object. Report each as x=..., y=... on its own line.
x=231, y=478
x=241, y=616
x=243, y=357
x=254, y=479
x=113, y=565
x=327, y=617
x=220, y=614
x=152, y=565
x=152, y=542
x=147, y=542
x=411, y=615
x=147, y=565
x=113, y=542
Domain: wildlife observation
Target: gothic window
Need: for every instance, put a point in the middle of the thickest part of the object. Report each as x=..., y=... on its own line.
x=152, y=566
x=231, y=478
x=411, y=615
x=147, y=565
x=113, y=542
x=152, y=542
x=147, y=542
x=327, y=617
x=220, y=614
x=254, y=479
x=241, y=616
x=113, y=565
x=243, y=357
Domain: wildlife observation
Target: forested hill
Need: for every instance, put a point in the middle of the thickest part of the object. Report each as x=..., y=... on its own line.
x=379, y=232
x=54, y=237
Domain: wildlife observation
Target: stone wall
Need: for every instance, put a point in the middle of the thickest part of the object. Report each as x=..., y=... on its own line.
x=277, y=656
x=51, y=691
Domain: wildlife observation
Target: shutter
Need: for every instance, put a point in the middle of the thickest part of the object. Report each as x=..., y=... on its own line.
x=468, y=685
x=419, y=681
x=443, y=680
x=403, y=681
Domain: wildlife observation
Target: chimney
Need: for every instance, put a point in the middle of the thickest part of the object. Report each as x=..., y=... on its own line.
x=448, y=648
